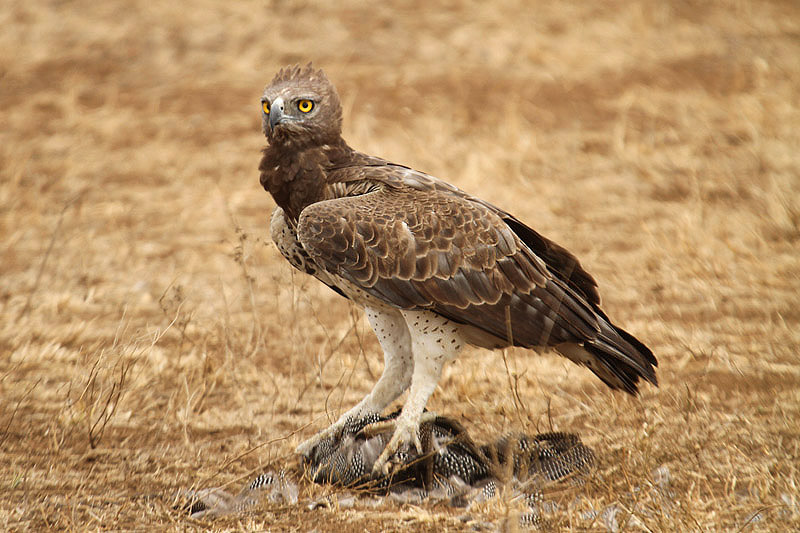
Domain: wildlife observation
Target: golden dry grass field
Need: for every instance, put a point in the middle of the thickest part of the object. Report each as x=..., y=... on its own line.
x=152, y=338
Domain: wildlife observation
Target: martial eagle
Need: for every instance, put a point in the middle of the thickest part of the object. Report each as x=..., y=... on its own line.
x=433, y=267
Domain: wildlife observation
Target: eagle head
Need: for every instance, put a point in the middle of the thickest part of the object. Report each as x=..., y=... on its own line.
x=300, y=107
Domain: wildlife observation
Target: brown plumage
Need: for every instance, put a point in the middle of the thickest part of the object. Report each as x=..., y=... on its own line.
x=429, y=262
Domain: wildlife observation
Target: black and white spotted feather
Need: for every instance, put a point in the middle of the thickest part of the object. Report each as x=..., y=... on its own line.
x=452, y=467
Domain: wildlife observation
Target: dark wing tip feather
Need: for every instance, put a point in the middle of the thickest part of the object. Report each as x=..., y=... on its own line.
x=640, y=347
x=560, y=261
x=614, y=373
x=626, y=359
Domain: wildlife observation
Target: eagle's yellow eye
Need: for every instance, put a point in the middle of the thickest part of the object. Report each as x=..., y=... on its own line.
x=305, y=105
x=265, y=107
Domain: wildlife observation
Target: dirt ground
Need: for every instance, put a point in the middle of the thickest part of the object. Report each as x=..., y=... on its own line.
x=152, y=338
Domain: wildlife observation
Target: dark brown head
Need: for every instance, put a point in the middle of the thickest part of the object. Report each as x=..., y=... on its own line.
x=300, y=107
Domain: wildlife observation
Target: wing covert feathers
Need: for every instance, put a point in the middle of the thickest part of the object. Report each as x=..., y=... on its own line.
x=414, y=242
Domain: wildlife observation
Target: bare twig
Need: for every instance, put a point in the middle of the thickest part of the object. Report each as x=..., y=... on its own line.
x=110, y=407
x=16, y=408
x=256, y=333
x=755, y=515
x=245, y=453
x=323, y=363
x=511, y=381
x=47, y=253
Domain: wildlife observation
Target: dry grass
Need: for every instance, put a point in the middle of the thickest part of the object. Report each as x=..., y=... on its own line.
x=151, y=338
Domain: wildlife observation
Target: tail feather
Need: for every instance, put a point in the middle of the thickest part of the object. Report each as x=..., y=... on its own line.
x=618, y=358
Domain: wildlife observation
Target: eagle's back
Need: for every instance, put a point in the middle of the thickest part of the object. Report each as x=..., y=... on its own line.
x=387, y=236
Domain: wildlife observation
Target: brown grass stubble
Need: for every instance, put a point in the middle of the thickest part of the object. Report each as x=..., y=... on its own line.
x=658, y=142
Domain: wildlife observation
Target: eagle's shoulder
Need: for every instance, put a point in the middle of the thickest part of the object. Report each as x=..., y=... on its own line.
x=372, y=173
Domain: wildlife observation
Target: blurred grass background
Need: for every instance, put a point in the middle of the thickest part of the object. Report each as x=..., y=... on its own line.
x=152, y=338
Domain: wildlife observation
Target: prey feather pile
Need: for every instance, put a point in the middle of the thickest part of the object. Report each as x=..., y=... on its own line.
x=451, y=467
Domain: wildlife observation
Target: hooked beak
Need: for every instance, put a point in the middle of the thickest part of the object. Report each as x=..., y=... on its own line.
x=276, y=113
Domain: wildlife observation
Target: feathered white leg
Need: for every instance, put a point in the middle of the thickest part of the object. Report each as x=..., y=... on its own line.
x=395, y=339
x=434, y=341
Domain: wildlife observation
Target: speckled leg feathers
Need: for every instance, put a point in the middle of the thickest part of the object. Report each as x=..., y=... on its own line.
x=416, y=346
x=395, y=339
x=434, y=341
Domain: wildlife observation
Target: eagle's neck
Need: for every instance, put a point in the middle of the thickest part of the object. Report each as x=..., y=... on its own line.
x=297, y=177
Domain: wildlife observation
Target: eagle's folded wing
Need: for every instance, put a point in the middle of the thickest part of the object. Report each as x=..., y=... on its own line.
x=446, y=253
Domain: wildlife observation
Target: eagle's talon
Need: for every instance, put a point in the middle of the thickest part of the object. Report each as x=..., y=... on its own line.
x=427, y=416
x=382, y=426
x=344, y=424
x=305, y=447
x=376, y=428
x=405, y=434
